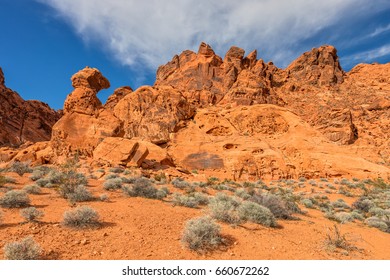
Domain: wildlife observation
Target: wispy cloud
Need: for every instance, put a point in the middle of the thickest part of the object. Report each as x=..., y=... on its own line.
x=150, y=32
x=380, y=30
x=369, y=55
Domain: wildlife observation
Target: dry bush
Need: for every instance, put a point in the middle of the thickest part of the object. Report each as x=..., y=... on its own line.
x=26, y=249
x=15, y=199
x=81, y=217
x=31, y=214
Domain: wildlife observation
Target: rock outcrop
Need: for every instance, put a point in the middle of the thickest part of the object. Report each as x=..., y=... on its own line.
x=23, y=121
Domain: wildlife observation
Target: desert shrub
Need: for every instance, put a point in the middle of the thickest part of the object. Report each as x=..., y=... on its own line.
x=201, y=234
x=37, y=174
x=32, y=189
x=224, y=208
x=312, y=182
x=70, y=181
x=15, y=199
x=104, y=197
x=243, y=194
x=377, y=211
x=127, y=180
x=274, y=203
x=116, y=170
x=363, y=204
x=81, y=217
x=357, y=216
x=160, y=177
x=111, y=176
x=340, y=203
x=26, y=249
x=200, y=198
x=302, y=179
x=42, y=182
x=113, y=184
x=308, y=203
x=20, y=167
x=180, y=183
x=212, y=181
x=31, y=214
x=343, y=217
x=378, y=223
x=253, y=212
x=80, y=193
x=184, y=200
x=55, y=177
x=143, y=187
x=334, y=239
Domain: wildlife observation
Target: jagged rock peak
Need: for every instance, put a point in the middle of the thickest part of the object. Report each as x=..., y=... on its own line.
x=234, y=53
x=205, y=49
x=90, y=78
x=320, y=66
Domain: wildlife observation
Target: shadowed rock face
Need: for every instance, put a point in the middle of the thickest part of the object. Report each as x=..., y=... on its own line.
x=23, y=121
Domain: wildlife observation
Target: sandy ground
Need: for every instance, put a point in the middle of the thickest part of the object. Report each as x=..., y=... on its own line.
x=139, y=228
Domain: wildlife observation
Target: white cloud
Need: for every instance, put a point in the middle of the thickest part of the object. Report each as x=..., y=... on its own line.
x=150, y=32
x=370, y=55
x=380, y=30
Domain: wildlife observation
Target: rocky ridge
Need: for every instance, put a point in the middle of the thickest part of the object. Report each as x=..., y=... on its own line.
x=237, y=117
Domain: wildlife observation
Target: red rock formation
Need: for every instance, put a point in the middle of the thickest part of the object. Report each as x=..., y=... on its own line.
x=23, y=121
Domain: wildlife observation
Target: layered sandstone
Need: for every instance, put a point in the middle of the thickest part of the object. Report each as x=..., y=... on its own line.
x=23, y=121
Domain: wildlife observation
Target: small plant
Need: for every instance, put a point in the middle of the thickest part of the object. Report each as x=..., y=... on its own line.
x=31, y=214
x=26, y=249
x=104, y=197
x=32, y=189
x=253, y=212
x=201, y=234
x=113, y=184
x=183, y=200
x=111, y=176
x=180, y=183
x=274, y=203
x=20, y=167
x=15, y=199
x=378, y=223
x=308, y=203
x=143, y=187
x=363, y=204
x=343, y=217
x=37, y=174
x=81, y=217
x=42, y=182
x=80, y=193
x=224, y=208
x=336, y=240
x=160, y=177
x=116, y=170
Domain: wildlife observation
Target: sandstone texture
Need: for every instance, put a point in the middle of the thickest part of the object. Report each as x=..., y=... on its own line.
x=23, y=121
x=236, y=117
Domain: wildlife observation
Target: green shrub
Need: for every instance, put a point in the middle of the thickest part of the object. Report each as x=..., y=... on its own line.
x=377, y=223
x=253, y=212
x=26, y=249
x=183, y=200
x=363, y=204
x=113, y=184
x=81, y=217
x=31, y=214
x=224, y=208
x=71, y=180
x=79, y=194
x=274, y=203
x=201, y=234
x=180, y=183
x=343, y=217
x=42, y=182
x=20, y=167
x=143, y=187
x=308, y=203
x=15, y=199
x=32, y=189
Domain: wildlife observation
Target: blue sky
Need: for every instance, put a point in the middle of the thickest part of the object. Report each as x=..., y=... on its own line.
x=44, y=42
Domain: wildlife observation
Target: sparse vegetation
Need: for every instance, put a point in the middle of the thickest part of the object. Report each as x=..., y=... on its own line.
x=336, y=240
x=26, y=249
x=143, y=187
x=180, y=183
x=79, y=194
x=253, y=212
x=81, y=217
x=201, y=234
x=20, y=167
x=31, y=214
x=274, y=203
x=224, y=208
x=14, y=199
x=32, y=189
x=113, y=184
